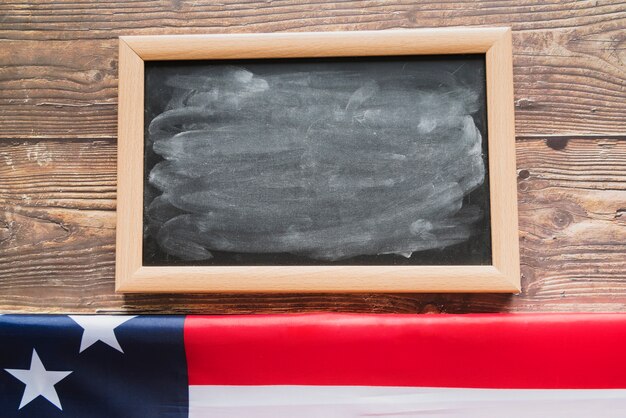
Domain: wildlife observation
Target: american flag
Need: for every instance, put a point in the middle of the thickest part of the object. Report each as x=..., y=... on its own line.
x=313, y=365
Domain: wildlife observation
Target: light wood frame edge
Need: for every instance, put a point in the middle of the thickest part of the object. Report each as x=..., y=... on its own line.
x=129, y=234
x=503, y=276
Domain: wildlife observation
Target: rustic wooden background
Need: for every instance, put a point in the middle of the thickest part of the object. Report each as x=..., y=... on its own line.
x=58, y=109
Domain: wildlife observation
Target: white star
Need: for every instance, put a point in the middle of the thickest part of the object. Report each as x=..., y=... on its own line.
x=39, y=382
x=100, y=328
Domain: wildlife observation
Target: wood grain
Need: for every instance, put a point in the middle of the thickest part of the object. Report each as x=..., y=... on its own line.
x=79, y=19
x=58, y=87
x=57, y=236
x=59, y=60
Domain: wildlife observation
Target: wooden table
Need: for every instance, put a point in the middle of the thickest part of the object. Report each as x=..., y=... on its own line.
x=58, y=110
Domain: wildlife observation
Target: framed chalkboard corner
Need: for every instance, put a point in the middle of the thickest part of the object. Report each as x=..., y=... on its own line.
x=371, y=161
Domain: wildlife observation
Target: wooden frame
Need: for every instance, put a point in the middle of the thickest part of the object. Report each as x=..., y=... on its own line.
x=502, y=276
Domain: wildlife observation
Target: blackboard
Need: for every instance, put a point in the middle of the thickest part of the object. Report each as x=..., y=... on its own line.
x=321, y=161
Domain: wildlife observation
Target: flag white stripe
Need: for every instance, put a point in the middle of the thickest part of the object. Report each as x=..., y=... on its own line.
x=369, y=401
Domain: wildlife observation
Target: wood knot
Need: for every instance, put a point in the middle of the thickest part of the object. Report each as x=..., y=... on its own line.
x=561, y=219
x=525, y=103
x=523, y=174
x=557, y=143
x=6, y=231
x=94, y=75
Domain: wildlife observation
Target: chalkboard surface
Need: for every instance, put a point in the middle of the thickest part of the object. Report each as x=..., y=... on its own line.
x=379, y=161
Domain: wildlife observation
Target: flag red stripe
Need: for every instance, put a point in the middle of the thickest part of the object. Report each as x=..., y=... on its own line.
x=542, y=351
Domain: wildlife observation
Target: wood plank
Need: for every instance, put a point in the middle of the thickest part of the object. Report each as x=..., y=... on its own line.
x=60, y=61
x=57, y=237
x=60, y=88
x=79, y=19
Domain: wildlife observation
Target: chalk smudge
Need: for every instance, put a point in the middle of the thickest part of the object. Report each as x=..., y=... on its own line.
x=323, y=164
